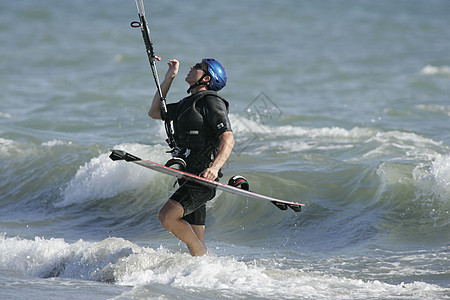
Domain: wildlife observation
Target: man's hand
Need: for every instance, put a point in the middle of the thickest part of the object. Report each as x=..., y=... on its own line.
x=174, y=66
x=225, y=147
x=210, y=173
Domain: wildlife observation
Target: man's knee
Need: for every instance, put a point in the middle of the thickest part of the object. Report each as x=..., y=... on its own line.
x=171, y=212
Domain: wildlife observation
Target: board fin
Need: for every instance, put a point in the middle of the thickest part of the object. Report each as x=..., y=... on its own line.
x=284, y=206
x=122, y=155
x=295, y=207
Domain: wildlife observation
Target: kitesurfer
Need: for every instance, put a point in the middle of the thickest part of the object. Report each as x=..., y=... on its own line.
x=204, y=141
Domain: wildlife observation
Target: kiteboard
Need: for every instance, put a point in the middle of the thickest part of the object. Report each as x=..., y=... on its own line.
x=281, y=204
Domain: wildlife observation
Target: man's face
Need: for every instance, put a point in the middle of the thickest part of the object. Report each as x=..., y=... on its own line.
x=196, y=72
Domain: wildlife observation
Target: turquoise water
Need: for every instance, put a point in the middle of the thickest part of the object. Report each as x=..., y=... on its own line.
x=341, y=105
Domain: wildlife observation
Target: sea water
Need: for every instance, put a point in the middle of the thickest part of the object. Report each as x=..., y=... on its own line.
x=341, y=105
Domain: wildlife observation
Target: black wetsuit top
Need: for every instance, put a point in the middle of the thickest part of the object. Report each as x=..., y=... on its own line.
x=198, y=121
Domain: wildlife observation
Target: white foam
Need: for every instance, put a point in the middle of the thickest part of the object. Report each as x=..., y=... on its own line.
x=370, y=142
x=435, y=108
x=434, y=177
x=103, y=178
x=11, y=148
x=409, y=138
x=120, y=261
x=243, y=125
x=5, y=145
x=328, y=132
x=406, y=145
x=5, y=115
x=56, y=142
x=55, y=257
x=435, y=70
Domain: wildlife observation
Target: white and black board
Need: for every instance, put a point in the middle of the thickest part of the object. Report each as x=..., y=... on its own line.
x=281, y=204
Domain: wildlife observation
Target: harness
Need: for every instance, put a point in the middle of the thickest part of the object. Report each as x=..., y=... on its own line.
x=191, y=130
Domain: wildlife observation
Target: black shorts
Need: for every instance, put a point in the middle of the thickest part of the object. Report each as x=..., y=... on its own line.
x=193, y=197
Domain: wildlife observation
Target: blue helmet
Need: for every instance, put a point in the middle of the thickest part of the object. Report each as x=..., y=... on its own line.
x=217, y=72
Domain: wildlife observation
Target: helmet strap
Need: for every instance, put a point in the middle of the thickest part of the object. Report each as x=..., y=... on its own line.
x=199, y=82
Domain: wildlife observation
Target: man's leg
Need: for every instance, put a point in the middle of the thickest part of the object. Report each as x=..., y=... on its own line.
x=199, y=232
x=170, y=217
x=197, y=221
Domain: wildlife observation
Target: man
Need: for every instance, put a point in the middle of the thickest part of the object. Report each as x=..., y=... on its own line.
x=203, y=133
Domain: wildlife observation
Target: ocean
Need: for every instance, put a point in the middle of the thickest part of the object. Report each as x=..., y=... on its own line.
x=341, y=105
